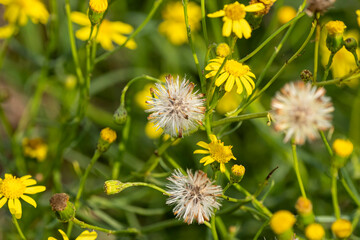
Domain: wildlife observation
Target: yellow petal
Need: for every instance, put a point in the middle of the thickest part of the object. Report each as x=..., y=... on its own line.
x=237, y=29
x=86, y=235
x=219, y=13
x=203, y=144
x=51, y=238
x=11, y=206
x=106, y=43
x=245, y=27
x=121, y=27
x=251, y=74
x=226, y=31
x=29, y=200
x=229, y=83
x=210, y=74
x=207, y=160
x=2, y=202
x=80, y=18
x=201, y=151
x=212, y=66
x=83, y=33
x=213, y=138
x=239, y=86
x=29, y=182
x=63, y=234
x=7, y=31
x=247, y=85
x=130, y=44
x=221, y=79
x=222, y=167
x=18, y=209
x=254, y=7
x=33, y=190
x=8, y=175
x=25, y=177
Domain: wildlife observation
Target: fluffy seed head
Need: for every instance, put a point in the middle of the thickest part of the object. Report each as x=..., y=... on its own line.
x=194, y=196
x=175, y=107
x=300, y=111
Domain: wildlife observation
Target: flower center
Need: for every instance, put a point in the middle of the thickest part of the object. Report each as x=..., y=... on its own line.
x=12, y=187
x=235, y=11
x=219, y=152
x=235, y=68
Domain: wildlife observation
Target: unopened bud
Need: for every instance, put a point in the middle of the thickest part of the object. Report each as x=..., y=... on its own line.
x=107, y=136
x=306, y=75
x=63, y=208
x=114, y=186
x=305, y=210
x=120, y=115
x=334, y=40
x=237, y=173
x=350, y=44
x=97, y=9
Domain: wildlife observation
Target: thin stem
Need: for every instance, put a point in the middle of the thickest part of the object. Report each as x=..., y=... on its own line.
x=260, y=230
x=128, y=231
x=296, y=167
x=327, y=68
x=213, y=226
x=3, y=50
x=316, y=50
x=263, y=44
x=239, y=118
x=138, y=29
x=341, y=79
x=174, y=163
x=203, y=22
x=196, y=60
x=136, y=184
x=334, y=193
x=349, y=186
x=22, y=236
x=327, y=145
x=227, y=187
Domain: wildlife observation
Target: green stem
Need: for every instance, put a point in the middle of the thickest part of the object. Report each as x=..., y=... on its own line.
x=7, y=126
x=136, y=184
x=22, y=236
x=203, y=22
x=239, y=118
x=334, y=193
x=227, y=187
x=128, y=231
x=230, y=199
x=196, y=60
x=213, y=226
x=296, y=167
x=138, y=29
x=3, y=51
x=341, y=79
x=316, y=50
x=327, y=145
x=174, y=163
x=261, y=229
x=327, y=68
x=349, y=186
x=263, y=44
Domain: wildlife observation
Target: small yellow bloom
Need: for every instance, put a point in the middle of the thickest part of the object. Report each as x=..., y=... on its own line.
x=229, y=102
x=35, y=148
x=234, y=18
x=238, y=170
x=335, y=27
x=85, y=235
x=232, y=72
x=341, y=228
x=343, y=147
x=222, y=50
x=7, y=31
x=98, y=6
x=13, y=188
x=285, y=14
x=109, y=32
x=267, y=5
x=282, y=221
x=108, y=135
x=173, y=26
x=358, y=17
x=315, y=231
x=18, y=11
x=218, y=152
x=152, y=132
x=303, y=206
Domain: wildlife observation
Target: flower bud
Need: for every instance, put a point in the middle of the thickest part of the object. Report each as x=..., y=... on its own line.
x=341, y=228
x=64, y=210
x=120, y=115
x=314, y=232
x=350, y=44
x=321, y=6
x=305, y=210
x=223, y=50
x=334, y=40
x=343, y=148
x=97, y=9
x=107, y=136
x=281, y=223
x=237, y=173
x=306, y=75
x=113, y=187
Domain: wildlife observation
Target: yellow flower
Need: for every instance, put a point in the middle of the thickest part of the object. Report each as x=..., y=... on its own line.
x=267, y=5
x=234, y=18
x=315, y=231
x=13, y=188
x=282, y=221
x=238, y=170
x=335, y=27
x=229, y=102
x=341, y=228
x=109, y=32
x=358, y=16
x=108, y=135
x=7, y=31
x=85, y=235
x=173, y=26
x=232, y=72
x=98, y=6
x=343, y=61
x=35, y=148
x=285, y=14
x=151, y=131
x=218, y=152
x=222, y=50
x=18, y=11
x=303, y=206
x=343, y=148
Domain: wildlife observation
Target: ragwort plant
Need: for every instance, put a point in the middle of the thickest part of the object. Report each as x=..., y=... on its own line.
x=198, y=80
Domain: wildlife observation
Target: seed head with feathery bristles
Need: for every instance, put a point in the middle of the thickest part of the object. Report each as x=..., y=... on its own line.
x=175, y=107
x=195, y=196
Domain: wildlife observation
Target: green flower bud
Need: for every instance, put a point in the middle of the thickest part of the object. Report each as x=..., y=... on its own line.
x=120, y=115
x=107, y=136
x=334, y=40
x=64, y=210
x=114, y=186
x=97, y=9
x=306, y=75
x=237, y=173
x=350, y=44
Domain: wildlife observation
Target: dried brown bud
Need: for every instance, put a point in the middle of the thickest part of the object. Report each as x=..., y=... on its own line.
x=320, y=6
x=58, y=201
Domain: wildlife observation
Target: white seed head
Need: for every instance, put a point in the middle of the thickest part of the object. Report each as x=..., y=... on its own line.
x=300, y=111
x=175, y=107
x=195, y=196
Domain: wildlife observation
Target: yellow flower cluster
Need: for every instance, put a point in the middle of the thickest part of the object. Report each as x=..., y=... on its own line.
x=108, y=135
x=282, y=221
x=343, y=148
x=314, y=231
x=35, y=148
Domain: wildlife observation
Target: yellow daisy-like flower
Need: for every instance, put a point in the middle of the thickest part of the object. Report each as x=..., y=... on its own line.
x=18, y=11
x=109, y=32
x=98, y=6
x=234, y=18
x=232, y=72
x=223, y=50
x=173, y=26
x=35, y=148
x=285, y=14
x=13, y=188
x=218, y=152
x=7, y=31
x=85, y=235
